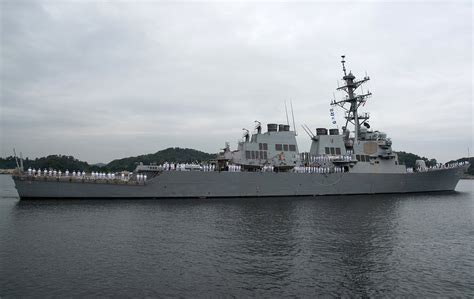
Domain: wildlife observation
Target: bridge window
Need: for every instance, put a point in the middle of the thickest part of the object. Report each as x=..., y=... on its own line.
x=338, y=150
x=265, y=155
x=333, y=152
x=260, y=146
x=292, y=148
x=285, y=147
x=278, y=147
x=358, y=157
x=247, y=154
x=265, y=147
x=326, y=150
x=253, y=154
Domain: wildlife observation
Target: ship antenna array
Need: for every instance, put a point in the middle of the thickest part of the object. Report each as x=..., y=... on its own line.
x=21, y=162
x=308, y=131
x=258, y=126
x=16, y=159
x=343, y=66
x=352, y=99
x=18, y=166
x=293, y=116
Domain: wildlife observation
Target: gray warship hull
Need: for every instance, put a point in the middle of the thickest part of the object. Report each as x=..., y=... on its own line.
x=196, y=184
x=267, y=165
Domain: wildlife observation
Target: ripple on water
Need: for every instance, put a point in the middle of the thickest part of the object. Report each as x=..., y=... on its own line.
x=385, y=245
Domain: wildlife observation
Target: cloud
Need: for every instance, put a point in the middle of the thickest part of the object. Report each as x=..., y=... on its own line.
x=104, y=80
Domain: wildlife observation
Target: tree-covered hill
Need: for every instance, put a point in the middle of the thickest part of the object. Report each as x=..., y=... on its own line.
x=58, y=162
x=179, y=155
x=176, y=154
x=409, y=159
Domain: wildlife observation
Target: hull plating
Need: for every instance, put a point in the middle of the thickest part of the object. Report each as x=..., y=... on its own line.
x=178, y=184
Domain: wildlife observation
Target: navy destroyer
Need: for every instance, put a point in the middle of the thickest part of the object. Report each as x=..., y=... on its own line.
x=354, y=160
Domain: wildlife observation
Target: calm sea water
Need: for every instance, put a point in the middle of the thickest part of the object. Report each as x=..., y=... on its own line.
x=389, y=245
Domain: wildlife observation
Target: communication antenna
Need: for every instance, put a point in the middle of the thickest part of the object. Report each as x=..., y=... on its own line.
x=293, y=116
x=226, y=146
x=246, y=134
x=308, y=131
x=353, y=100
x=311, y=135
x=258, y=127
x=21, y=162
x=343, y=66
x=286, y=110
x=16, y=159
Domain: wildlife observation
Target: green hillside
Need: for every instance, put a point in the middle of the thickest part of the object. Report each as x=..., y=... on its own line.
x=179, y=155
x=409, y=159
x=58, y=162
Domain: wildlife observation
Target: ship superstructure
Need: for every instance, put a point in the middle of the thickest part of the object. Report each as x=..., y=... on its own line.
x=275, y=149
x=359, y=150
x=369, y=151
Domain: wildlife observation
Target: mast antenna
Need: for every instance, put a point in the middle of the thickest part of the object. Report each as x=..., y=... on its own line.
x=308, y=131
x=293, y=116
x=16, y=159
x=286, y=110
x=343, y=66
x=21, y=162
x=353, y=100
x=258, y=127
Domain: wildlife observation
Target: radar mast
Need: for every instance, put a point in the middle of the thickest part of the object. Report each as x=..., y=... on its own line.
x=352, y=100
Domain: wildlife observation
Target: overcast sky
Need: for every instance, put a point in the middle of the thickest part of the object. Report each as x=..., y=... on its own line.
x=102, y=80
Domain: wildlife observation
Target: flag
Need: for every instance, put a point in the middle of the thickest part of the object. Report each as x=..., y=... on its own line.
x=333, y=115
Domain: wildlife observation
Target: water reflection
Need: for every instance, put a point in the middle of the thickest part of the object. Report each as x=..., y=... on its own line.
x=263, y=244
x=335, y=246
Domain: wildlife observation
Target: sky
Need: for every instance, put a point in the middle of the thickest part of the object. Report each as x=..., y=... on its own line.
x=102, y=80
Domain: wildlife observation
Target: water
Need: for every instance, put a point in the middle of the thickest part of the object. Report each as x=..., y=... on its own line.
x=385, y=245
